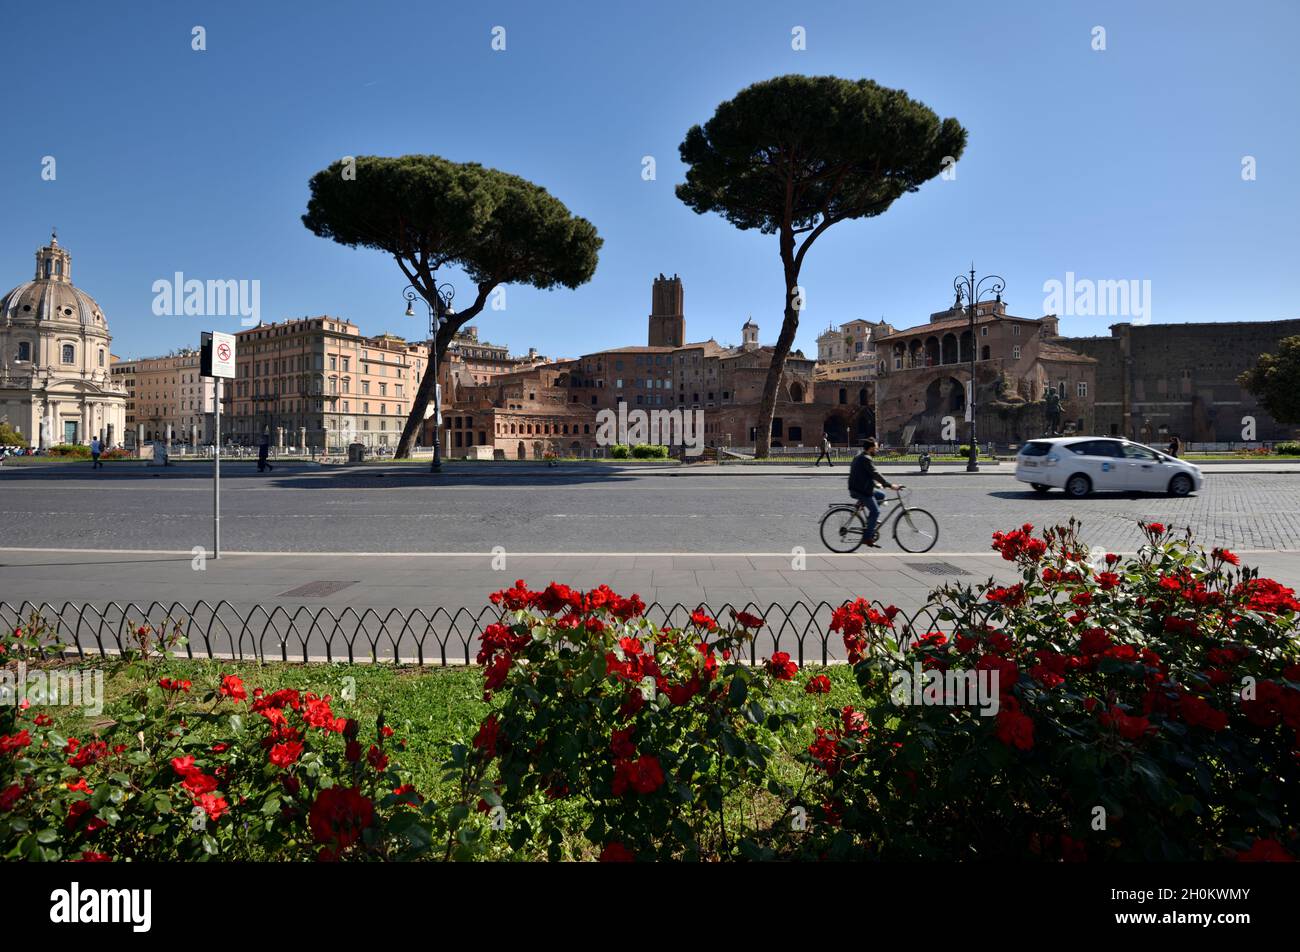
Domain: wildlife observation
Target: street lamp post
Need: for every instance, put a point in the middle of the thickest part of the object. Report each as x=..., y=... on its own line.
x=966, y=286
x=438, y=317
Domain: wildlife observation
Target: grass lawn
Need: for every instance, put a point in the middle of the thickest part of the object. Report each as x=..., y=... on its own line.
x=430, y=709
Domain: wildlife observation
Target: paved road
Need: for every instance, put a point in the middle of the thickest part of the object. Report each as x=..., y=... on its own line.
x=404, y=510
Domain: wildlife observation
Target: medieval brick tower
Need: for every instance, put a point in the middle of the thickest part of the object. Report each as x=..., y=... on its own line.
x=667, y=320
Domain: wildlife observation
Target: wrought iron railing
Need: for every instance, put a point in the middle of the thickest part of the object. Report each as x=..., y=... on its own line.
x=438, y=636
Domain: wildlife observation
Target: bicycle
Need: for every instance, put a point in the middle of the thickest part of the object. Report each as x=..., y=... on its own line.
x=844, y=527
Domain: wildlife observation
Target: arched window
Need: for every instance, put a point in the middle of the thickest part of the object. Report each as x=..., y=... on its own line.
x=862, y=396
x=69, y=354
x=24, y=350
x=101, y=357
x=796, y=392
x=844, y=395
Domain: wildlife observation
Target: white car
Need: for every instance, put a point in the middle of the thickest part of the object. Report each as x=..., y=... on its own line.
x=1084, y=464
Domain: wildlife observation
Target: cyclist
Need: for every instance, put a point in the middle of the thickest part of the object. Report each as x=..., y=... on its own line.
x=863, y=479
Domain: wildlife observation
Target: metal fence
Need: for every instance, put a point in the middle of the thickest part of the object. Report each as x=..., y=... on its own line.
x=439, y=636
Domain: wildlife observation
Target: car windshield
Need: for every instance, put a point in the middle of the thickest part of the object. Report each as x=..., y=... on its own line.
x=1036, y=448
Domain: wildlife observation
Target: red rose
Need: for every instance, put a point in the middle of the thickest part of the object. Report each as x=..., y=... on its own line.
x=679, y=694
x=339, y=815
x=747, y=620
x=781, y=667
x=622, y=745
x=818, y=684
x=1265, y=851
x=1199, y=713
x=9, y=796
x=282, y=755
x=644, y=775
x=496, y=672
x=1130, y=728
x=199, y=783
x=1014, y=728
x=233, y=688
x=486, y=738
x=617, y=853
x=703, y=620
x=212, y=804
x=377, y=758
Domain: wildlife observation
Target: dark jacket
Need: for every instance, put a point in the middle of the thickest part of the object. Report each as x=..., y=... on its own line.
x=863, y=477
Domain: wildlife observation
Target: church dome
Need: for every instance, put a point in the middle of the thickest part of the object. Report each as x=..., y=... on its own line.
x=51, y=295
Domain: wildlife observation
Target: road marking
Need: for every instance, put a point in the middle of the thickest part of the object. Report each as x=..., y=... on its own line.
x=983, y=553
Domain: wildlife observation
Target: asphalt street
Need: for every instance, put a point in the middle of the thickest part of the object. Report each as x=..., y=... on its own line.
x=392, y=510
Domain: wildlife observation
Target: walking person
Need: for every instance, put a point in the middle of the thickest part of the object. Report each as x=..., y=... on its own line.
x=863, y=479
x=96, y=448
x=825, y=453
x=263, y=451
x=1175, y=446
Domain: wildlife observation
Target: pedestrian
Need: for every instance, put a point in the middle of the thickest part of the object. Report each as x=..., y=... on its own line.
x=826, y=452
x=95, y=449
x=1175, y=446
x=263, y=451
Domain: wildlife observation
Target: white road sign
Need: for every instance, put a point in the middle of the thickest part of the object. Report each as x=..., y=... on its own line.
x=223, y=355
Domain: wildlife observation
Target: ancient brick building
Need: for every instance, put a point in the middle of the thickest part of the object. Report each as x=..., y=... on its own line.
x=552, y=407
x=924, y=371
x=1160, y=380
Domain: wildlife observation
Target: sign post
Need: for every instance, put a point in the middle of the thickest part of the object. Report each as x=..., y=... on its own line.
x=216, y=360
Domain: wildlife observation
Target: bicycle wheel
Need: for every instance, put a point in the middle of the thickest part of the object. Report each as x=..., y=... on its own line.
x=843, y=529
x=915, y=530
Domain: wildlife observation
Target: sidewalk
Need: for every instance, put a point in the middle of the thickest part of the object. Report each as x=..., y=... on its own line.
x=432, y=607
x=383, y=581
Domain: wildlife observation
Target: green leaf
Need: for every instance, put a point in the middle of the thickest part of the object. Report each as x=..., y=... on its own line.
x=738, y=690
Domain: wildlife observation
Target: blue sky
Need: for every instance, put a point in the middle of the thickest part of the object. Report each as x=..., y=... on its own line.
x=1123, y=164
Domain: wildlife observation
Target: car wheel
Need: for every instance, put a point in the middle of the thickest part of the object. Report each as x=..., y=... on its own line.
x=1180, y=485
x=1040, y=487
x=1078, y=486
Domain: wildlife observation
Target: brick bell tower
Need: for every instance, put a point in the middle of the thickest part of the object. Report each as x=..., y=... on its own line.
x=667, y=320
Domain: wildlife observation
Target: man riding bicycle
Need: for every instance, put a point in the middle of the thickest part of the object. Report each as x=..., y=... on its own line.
x=863, y=479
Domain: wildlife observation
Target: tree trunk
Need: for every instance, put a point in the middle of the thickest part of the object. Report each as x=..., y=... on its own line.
x=425, y=392
x=789, y=325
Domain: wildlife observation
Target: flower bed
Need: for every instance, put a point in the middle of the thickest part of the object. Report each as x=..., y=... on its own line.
x=1123, y=708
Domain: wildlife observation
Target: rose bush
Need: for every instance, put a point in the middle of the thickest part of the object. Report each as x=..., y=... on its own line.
x=193, y=771
x=611, y=737
x=1148, y=708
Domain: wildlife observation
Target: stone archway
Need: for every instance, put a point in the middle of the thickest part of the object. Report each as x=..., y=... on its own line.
x=836, y=428
x=522, y=451
x=864, y=424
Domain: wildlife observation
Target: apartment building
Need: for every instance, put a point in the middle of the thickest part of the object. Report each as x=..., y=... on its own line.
x=317, y=382
x=166, y=397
